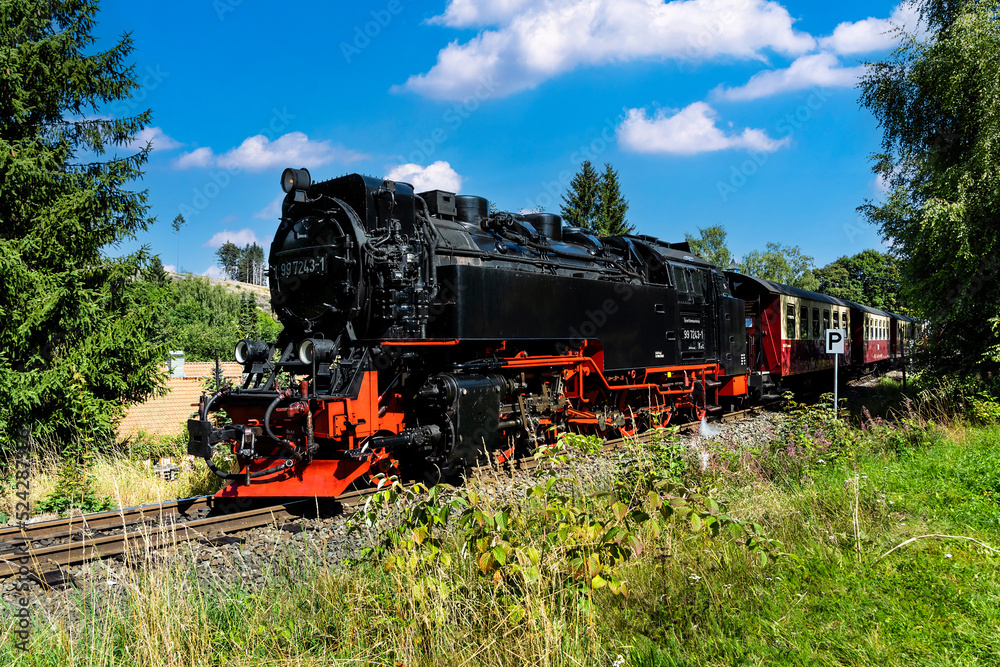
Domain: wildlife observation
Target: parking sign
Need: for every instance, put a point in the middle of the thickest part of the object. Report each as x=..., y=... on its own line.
x=835, y=339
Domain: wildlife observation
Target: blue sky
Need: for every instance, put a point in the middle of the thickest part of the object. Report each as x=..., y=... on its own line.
x=742, y=113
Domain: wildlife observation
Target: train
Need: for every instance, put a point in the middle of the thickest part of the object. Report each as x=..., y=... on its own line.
x=426, y=332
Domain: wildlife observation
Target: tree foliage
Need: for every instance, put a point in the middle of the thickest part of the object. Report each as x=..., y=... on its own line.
x=611, y=205
x=580, y=202
x=79, y=340
x=203, y=319
x=869, y=277
x=228, y=256
x=937, y=101
x=244, y=264
x=250, y=266
x=783, y=264
x=595, y=202
x=711, y=245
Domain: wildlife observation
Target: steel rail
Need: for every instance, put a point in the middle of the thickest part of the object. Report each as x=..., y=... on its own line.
x=41, y=562
x=14, y=536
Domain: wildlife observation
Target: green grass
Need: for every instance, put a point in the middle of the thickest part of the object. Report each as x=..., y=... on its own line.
x=932, y=602
x=692, y=599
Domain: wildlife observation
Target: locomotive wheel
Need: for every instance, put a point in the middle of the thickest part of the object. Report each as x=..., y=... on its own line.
x=663, y=419
x=699, y=399
x=631, y=425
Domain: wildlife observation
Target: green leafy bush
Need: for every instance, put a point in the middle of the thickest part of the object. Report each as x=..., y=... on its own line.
x=558, y=538
x=74, y=486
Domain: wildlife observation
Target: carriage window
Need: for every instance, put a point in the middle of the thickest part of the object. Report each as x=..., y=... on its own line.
x=803, y=322
x=867, y=331
x=680, y=282
x=836, y=319
x=790, y=320
x=843, y=319
x=815, y=322
x=826, y=319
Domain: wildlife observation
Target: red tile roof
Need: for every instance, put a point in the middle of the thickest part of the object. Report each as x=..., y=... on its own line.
x=168, y=414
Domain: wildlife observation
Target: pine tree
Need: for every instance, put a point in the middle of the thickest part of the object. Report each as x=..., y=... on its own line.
x=611, y=206
x=248, y=317
x=176, y=225
x=76, y=346
x=155, y=273
x=580, y=207
x=250, y=264
x=229, y=259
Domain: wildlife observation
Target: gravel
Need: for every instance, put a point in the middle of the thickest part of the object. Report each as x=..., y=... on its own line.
x=262, y=554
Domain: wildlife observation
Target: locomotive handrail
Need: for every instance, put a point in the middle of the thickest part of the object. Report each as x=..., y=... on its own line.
x=569, y=361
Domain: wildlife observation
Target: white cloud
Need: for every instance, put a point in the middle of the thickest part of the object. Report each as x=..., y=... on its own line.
x=161, y=141
x=241, y=238
x=215, y=272
x=436, y=176
x=292, y=149
x=469, y=13
x=872, y=34
x=690, y=131
x=272, y=211
x=199, y=157
x=538, y=40
x=170, y=268
x=819, y=69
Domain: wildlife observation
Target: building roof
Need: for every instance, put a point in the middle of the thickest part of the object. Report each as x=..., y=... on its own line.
x=168, y=414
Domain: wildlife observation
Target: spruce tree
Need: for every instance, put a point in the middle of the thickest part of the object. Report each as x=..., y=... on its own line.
x=611, y=206
x=78, y=340
x=580, y=207
x=250, y=264
x=229, y=259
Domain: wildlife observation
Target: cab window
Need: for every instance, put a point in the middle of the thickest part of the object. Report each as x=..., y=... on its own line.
x=815, y=322
x=697, y=282
x=803, y=321
x=680, y=282
x=722, y=285
x=790, y=320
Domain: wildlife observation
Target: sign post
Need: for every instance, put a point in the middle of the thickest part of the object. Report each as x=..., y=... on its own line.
x=835, y=340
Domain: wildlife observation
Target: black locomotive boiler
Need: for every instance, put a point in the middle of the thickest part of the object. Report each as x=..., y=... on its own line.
x=427, y=330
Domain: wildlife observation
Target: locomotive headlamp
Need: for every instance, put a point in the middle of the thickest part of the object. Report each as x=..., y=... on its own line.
x=316, y=349
x=295, y=179
x=249, y=351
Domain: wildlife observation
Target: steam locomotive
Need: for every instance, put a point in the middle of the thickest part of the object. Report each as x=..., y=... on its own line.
x=426, y=332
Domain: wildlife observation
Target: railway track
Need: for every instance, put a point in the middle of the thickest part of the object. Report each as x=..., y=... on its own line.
x=42, y=551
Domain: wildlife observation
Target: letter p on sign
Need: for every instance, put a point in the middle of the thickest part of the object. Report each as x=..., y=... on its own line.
x=835, y=339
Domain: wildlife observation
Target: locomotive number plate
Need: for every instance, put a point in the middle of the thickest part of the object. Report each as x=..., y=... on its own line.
x=303, y=267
